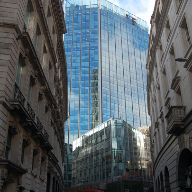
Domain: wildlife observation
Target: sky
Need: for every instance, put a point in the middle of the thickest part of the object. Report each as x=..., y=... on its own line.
x=140, y=8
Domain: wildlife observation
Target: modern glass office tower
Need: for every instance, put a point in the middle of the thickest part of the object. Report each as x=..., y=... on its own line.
x=106, y=49
x=111, y=149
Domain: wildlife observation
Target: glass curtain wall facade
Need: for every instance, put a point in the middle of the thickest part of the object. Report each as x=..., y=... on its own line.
x=106, y=49
x=124, y=46
x=112, y=149
x=81, y=46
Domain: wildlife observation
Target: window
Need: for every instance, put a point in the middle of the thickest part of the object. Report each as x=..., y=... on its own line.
x=19, y=71
x=46, y=115
x=30, y=91
x=187, y=34
x=167, y=29
x=38, y=105
x=53, y=30
x=171, y=51
x=41, y=168
x=8, y=146
x=27, y=15
x=44, y=57
x=49, y=72
x=33, y=159
x=167, y=25
x=23, y=152
x=48, y=15
x=38, y=32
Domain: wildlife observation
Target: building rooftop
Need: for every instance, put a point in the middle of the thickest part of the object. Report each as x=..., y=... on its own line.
x=110, y=6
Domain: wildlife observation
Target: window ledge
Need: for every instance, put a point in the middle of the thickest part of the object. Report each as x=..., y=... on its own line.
x=12, y=167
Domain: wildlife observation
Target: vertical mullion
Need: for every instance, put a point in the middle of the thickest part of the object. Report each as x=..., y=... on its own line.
x=80, y=78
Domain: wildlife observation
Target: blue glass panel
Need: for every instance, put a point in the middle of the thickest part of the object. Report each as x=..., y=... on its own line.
x=123, y=56
x=104, y=3
x=110, y=5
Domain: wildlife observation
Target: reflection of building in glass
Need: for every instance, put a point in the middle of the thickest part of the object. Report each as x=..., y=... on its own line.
x=112, y=149
x=106, y=49
x=94, y=107
x=68, y=165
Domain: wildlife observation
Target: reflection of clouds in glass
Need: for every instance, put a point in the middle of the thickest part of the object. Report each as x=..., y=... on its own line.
x=122, y=134
x=72, y=137
x=73, y=98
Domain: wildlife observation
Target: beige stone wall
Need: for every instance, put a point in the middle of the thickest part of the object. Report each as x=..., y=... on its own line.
x=169, y=92
x=48, y=103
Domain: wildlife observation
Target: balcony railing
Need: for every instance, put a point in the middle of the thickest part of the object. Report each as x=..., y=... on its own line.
x=39, y=125
x=174, y=119
x=46, y=134
x=18, y=96
x=30, y=111
x=42, y=129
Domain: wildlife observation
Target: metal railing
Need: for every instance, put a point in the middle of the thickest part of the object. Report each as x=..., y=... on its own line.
x=39, y=125
x=30, y=111
x=46, y=134
x=18, y=96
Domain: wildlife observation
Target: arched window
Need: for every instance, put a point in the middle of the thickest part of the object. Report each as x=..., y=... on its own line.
x=184, y=164
x=44, y=57
x=28, y=14
x=38, y=33
x=19, y=72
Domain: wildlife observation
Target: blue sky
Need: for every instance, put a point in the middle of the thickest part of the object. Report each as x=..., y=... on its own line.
x=140, y=8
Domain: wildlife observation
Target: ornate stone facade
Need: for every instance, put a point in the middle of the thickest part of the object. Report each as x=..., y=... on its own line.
x=33, y=95
x=170, y=105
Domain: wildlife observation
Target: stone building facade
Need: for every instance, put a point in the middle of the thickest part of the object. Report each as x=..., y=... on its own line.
x=33, y=95
x=169, y=94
